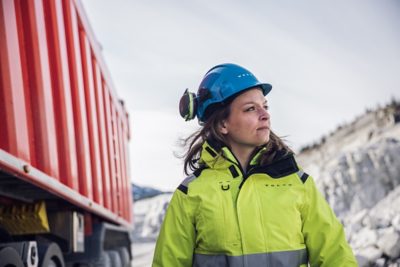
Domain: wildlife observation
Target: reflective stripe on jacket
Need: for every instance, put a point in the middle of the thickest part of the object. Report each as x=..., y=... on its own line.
x=272, y=216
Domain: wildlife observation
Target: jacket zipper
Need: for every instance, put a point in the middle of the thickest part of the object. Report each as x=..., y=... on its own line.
x=246, y=175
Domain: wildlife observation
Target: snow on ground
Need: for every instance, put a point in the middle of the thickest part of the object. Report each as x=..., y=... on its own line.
x=143, y=254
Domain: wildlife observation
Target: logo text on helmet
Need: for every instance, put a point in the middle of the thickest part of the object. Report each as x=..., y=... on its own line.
x=244, y=75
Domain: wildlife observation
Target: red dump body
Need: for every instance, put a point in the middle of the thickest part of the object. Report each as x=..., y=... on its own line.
x=63, y=130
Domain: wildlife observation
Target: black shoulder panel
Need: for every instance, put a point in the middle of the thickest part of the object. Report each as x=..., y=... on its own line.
x=183, y=187
x=198, y=171
x=303, y=176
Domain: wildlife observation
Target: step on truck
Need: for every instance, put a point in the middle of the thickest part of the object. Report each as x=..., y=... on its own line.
x=65, y=191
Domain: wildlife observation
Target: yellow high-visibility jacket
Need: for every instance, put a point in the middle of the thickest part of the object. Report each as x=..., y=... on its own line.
x=271, y=216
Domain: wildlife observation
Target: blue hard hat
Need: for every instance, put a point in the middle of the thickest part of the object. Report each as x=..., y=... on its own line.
x=219, y=86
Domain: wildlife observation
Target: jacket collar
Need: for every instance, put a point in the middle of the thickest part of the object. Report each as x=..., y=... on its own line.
x=284, y=164
x=223, y=159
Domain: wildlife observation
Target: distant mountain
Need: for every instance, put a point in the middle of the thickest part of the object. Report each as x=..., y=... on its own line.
x=141, y=192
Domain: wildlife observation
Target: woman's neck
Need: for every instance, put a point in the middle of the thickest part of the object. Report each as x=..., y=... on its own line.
x=242, y=154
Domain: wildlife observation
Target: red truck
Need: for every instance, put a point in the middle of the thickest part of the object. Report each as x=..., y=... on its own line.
x=65, y=191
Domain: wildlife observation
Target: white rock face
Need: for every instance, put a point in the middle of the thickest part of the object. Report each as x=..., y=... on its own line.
x=358, y=179
x=357, y=169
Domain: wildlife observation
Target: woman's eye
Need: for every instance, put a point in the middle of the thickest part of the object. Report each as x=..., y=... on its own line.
x=250, y=109
x=266, y=107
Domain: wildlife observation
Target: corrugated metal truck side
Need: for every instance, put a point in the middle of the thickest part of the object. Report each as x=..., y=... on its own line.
x=65, y=191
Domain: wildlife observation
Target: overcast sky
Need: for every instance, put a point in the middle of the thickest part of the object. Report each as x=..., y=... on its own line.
x=327, y=61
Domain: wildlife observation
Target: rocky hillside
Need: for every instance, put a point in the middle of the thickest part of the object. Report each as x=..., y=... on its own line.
x=357, y=167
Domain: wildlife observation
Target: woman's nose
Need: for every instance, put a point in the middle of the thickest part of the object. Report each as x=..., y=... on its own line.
x=264, y=114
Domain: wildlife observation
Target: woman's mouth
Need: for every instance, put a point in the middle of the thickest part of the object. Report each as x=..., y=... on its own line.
x=263, y=128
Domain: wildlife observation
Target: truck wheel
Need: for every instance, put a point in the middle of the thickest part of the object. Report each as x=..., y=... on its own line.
x=124, y=255
x=9, y=257
x=114, y=258
x=50, y=256
x=104, y=260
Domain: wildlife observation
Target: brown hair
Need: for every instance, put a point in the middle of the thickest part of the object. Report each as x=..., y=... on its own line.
x=209, y=131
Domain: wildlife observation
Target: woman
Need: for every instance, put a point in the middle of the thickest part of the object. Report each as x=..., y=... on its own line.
x=247, y=203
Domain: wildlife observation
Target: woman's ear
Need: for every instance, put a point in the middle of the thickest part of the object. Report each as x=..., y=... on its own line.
x=222, y=127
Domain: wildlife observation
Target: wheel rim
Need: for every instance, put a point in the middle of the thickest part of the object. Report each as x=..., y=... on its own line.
x=9, y=257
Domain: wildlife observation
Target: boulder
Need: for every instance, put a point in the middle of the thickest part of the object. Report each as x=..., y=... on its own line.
x=389, y=243
x=366, y=237
x=368, y=255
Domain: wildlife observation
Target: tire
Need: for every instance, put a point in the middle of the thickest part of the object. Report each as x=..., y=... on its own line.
x=124, y=255
x=50, y=255
x=104, y=260
x=10, y=257
x=114, y=258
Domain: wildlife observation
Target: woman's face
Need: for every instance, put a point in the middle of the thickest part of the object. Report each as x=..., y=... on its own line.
x=248, y=124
